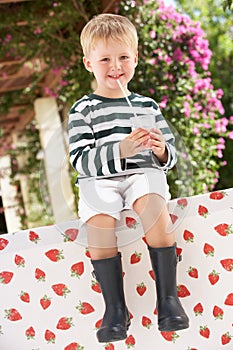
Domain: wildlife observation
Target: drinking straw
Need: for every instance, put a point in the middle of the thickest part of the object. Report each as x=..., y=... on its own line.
x=126, y=97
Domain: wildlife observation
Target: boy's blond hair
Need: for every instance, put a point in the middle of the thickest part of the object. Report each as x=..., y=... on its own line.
x=108, y=26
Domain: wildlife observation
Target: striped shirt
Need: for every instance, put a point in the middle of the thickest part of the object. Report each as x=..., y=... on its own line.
x=98, y=124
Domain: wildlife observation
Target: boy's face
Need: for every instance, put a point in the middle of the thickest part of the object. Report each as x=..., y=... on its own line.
x=109, y=61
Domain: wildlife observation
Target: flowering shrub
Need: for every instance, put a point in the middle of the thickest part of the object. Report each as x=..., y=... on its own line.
x=173, y=69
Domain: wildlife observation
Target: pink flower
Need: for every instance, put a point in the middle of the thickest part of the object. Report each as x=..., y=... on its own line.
x=187, y=110
x=195, y=131
x=152, y=34
x=163, y=103
x=178, y=54
x=37, y=30
x=230, y=135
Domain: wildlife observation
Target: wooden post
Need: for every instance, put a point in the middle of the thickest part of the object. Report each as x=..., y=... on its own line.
x=55, y=158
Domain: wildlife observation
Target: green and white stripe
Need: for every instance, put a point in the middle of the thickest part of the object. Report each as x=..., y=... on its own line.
x=98, y=124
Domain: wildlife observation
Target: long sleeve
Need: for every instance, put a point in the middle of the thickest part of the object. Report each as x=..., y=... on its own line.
x=85, y=156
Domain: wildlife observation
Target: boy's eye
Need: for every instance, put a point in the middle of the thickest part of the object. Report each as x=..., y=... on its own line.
x=105, y=59
x=124, y=58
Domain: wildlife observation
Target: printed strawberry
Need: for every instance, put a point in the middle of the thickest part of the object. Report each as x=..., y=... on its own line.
x=144, y=240
x=77, y=269
x=87, y=253
x=155, y=312
x=135, y=258
x=182, y=291
x=131, y=222
x=198, y=309
x=19, y=261
x=109, y=346
x=70, y=234
x=34, y=237
x=208, y=250
x=218, y=313
x=146, y=322
x=227, y=264
x=74, y=346
x=141, y=288
x=54, y=255
x=85, y=308
x=204, y=332
x=95, y=286
x=6, y=277
x=61, y=289
x=213, y=277
x=179, y=251
x=229, y=300
x=45, y=302
x=189, y=348
x=24, y=296
x=65, y=323
x=182, y=203
x=98, y=323
x=224, y=229
x=50, y=337
x=12, y=314
x=226, y=338
x=30, y=333
x=3, y=243
x=40, y=275
x=203, y=211
x=188, y=236
x=217, y=195
x=173, y=217
x=130, y=341
x=193, y=272
x=170, y=336
x=152, y=274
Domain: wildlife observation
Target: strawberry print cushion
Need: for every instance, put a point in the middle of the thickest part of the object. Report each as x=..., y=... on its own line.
x=51, y=300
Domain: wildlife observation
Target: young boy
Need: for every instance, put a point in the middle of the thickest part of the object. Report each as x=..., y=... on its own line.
x=119, y=168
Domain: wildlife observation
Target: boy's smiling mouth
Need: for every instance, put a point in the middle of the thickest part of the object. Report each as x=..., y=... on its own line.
x=115, y=77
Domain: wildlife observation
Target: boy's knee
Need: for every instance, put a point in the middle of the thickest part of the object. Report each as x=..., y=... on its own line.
x=101, y=220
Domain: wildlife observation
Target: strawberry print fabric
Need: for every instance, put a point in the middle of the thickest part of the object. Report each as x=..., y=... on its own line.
x=50, y=300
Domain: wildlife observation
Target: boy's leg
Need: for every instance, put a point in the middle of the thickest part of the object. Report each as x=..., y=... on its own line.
x=108, y=271
x=154, y=215
x=101, y=237
x=156, y=221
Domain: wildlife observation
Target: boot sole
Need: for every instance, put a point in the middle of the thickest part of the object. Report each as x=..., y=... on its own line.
x=112, y=336
x=173, y=325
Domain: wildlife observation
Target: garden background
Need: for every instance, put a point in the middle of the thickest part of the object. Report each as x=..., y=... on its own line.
x=185, y=64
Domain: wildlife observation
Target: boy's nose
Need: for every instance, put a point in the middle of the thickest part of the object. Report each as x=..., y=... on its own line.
x=116, y=65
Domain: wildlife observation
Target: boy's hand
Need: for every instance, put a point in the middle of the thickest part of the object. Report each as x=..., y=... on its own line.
x=134, y=143
x=158, y=145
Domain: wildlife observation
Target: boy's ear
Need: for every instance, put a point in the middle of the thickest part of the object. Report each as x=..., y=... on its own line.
x=87, y=64
x=136, y=59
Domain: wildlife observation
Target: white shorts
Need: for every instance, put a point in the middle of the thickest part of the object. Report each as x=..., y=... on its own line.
x=112, y=195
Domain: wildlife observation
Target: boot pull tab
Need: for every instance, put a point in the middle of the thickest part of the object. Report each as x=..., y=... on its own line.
x=178, y=258
x=93, y=274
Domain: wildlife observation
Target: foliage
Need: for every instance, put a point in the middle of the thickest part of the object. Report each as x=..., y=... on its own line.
x=227, y=4
x=218, y=27
x=174, y=62
x=48, y=31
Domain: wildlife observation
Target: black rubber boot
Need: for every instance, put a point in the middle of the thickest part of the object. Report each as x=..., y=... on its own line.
x=171, y=315
x=116, y=320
